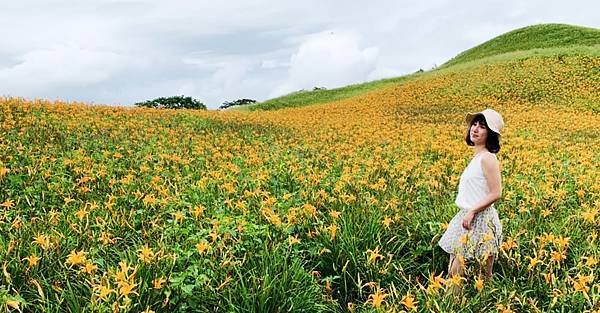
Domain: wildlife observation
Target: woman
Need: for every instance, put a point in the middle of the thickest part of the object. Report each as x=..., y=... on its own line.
x=475, y=232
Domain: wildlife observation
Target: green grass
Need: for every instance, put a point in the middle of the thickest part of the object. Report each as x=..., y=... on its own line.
x=531, y=37
x=306, y=97
x=545, y=40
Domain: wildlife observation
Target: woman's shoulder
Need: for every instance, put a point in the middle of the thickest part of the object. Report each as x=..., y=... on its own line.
x=489, y=159
x=488, y=155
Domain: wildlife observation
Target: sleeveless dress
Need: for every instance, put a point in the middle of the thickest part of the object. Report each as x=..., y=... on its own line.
x=485, y=236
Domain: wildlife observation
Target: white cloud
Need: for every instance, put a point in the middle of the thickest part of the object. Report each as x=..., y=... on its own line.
x=329, y=59
x=60, y=66
x=270, y=64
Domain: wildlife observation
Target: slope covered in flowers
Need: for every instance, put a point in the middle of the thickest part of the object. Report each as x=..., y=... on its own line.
x=329, y=207
x=530, y=41
x=531, y=37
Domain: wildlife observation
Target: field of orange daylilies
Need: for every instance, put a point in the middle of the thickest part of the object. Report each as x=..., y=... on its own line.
x=334, y=207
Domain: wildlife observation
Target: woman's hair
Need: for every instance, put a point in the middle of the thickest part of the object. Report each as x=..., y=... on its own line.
x=492, y=143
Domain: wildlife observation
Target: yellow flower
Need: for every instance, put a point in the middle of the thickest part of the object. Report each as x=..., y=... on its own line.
x=14, y=304
x=435, y=283
x=81, y=214
x=455, y=280
x=377, y=298
x=562, y=242
x=33, y=260
x=590, y=261
x=309, y=209
x=127, y=288
x=332, y=231
x=122, y=275
x=293, y=240
x=202, y=246
x=103, y=291
x=3, y=171
x=323, y=251
x=334, y=214
x=150, y=200
x=271, y=216
x=53, y=217
x=589, y=215
x=581, y=284
x=557, y=257
x=43, y=241
x=479, y=284
x=105, y=238
x=328, y=286
x=75, y=258
x=387, y=221
x=549, y=277
x=509, y=244
x=504, y=309
x=198, y=211
x=158, y=283
x=178, y=216
x=89, y=268
x=16, y=224
x=8, y=204
x=214, y=236
x=533, y=262
x=68, y=200
x=373, y=255
x=145, y=254
x=409, y=302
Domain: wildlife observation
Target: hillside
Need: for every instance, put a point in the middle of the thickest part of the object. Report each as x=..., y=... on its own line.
x=545, y=40
x=531, y=37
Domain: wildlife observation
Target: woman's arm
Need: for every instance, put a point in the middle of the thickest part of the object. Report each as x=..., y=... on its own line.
x=491, y=171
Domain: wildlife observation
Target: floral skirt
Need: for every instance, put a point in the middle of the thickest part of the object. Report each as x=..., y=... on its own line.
x=483, y=239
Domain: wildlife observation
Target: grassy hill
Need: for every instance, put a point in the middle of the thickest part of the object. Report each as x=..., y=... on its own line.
x=531, y=37
x=308, y=97
x=545, y=40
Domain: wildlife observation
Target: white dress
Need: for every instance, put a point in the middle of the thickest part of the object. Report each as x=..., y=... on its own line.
x=485, y=236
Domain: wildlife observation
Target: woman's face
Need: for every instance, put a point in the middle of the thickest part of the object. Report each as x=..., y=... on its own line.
x=478, y=133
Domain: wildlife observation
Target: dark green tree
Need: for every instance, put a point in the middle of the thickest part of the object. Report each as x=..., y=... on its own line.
x=176, y=102
x=228, y=104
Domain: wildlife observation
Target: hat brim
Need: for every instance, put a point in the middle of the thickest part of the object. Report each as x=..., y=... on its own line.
x=470, y=116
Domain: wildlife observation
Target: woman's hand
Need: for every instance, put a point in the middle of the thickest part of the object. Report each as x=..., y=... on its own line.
x=468, y=219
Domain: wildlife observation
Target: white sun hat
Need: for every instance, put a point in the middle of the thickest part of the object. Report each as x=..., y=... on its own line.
x=492, y=118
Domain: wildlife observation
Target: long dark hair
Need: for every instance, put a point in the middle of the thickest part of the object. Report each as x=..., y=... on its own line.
x=492, y=143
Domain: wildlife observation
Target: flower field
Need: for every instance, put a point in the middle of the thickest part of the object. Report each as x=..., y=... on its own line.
x=334, y=207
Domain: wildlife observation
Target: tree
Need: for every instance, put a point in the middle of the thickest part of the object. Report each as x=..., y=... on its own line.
x=175, y=102
x=236, y=102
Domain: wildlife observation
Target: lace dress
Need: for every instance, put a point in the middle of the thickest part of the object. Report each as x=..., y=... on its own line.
x=485, y=236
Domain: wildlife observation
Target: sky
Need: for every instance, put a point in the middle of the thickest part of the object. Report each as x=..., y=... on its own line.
x=119, y=52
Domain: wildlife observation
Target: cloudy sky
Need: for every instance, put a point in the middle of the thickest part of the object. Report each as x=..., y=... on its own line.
x=119, y=52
